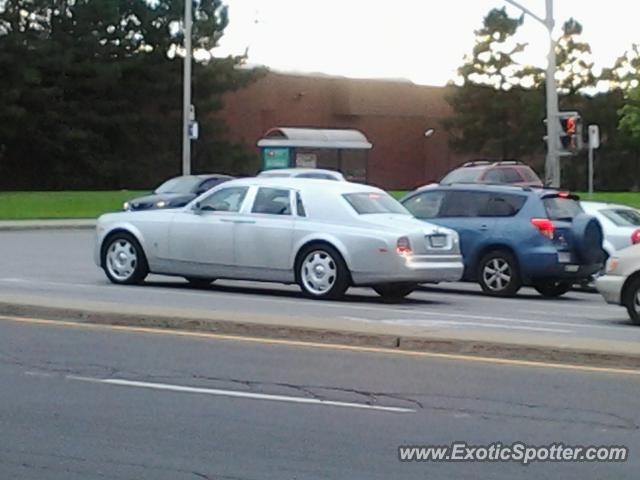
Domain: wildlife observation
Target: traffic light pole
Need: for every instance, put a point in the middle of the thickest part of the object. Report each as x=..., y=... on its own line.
x=552, y=163
x=186, y=90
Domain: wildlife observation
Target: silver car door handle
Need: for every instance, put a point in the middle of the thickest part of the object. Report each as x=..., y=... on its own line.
x=227, y=220
x=244, y=221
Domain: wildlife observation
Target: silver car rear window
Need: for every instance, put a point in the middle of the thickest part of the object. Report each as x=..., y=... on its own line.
x=373, y=202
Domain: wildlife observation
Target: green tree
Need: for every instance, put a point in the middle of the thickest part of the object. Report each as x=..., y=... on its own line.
x=630, y=117
x=92, y=91
x=625, y=72
x=574, y=66
x=493, y=113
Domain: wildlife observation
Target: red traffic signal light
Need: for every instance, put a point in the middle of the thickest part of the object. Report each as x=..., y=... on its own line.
x=570, y=136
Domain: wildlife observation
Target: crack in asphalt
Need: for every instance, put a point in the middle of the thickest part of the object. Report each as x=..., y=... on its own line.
x=371, y=398
x=30, y=464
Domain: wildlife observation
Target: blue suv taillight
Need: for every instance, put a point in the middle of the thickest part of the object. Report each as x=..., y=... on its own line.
x=544, y=226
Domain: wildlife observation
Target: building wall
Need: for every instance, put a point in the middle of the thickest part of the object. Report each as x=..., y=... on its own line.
x=393, y=115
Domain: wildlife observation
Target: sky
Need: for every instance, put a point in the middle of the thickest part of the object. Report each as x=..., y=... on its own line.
x=423, y=41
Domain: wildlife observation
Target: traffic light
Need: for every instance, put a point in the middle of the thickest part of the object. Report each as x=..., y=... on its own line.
x=570, y=132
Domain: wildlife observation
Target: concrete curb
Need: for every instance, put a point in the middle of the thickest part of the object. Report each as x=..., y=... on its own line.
x=465, y=347
x=19, y=225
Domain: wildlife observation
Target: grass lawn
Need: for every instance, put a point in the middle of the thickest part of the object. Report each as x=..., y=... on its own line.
x=40, y=205
x=398, y=194
x=625, y=198
x=43, y=205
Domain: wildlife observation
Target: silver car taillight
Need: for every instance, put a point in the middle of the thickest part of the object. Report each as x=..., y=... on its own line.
x=403, y=246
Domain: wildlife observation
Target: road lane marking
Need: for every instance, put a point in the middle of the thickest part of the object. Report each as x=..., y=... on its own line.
x=479, y=317
x=434, y=323
x=316, y=345
x=237, y=394
x=36, y=373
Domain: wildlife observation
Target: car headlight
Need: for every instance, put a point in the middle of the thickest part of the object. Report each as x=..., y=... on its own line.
x=161, y=204
x=612, y=264
x=126, y=206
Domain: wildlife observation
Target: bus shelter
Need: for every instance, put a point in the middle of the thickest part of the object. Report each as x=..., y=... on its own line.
x=343, y=150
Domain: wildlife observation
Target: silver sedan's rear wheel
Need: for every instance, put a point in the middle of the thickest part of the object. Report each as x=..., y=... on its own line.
x=321, y=272
x=123, y=260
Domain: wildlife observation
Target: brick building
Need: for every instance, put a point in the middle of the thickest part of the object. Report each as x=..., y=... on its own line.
x=394, y=115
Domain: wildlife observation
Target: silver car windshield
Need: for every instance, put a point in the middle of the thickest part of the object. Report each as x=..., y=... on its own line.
x=372, y=202
x=179, y=185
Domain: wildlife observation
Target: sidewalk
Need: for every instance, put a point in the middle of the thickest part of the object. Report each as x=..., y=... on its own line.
x=47, y=224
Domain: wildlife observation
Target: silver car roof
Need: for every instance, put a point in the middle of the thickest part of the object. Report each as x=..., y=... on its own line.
x=299, y=171
x=304, y=184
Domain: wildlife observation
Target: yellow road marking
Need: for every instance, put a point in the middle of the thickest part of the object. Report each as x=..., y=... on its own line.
x=327, y=346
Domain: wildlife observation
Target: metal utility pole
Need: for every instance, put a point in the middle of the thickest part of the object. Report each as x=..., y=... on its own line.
x=186, y=86
x=594, y=144
x=552, y=163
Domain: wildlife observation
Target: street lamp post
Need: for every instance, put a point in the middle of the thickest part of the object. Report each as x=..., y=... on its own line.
x=552, y=163
x=186, y=90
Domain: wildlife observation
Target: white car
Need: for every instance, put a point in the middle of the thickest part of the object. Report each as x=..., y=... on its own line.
x=620, y=224
x=621, y=284
x=317, y=173
x=323, y=235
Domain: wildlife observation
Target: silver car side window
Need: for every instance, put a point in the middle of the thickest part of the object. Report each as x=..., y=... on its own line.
x=225, y=200
x=273, y=201
x=300, y=206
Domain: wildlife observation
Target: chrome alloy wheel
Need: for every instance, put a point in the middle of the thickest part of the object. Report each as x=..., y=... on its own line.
x=636, y=302
x=318, y=272
x=497, y=274
x=121, y=259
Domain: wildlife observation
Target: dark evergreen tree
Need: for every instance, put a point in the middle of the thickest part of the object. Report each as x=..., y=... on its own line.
x=92, y=92
x=494, y=114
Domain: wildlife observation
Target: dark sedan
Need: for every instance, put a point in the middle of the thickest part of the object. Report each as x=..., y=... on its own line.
x=176, y=192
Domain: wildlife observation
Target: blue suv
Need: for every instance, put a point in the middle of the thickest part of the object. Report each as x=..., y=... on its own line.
x=515, y=236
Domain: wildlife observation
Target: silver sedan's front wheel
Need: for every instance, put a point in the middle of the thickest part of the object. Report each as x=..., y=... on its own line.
x=321, y=272
x=123, y=259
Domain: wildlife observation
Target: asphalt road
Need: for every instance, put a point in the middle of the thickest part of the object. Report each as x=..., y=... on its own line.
x=94, y=403
x=57, y=266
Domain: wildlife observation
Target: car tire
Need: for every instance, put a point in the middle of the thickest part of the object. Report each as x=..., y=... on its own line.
x=552, y=289
x=321, y=272
x=123, y=259
x=199, y=282
x=631, y=300
x=395, y=291
x=498, y=274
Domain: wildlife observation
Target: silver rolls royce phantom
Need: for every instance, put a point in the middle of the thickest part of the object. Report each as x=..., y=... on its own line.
x=325, y=236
